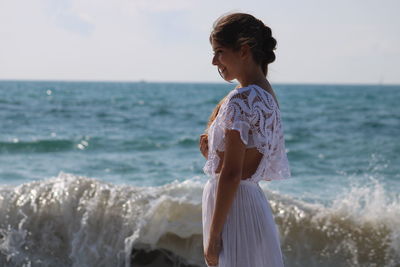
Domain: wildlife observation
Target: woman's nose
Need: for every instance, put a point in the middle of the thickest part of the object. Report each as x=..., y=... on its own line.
x=214, y=60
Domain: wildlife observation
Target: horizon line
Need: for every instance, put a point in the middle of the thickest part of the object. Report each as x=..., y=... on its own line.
x=191, y=82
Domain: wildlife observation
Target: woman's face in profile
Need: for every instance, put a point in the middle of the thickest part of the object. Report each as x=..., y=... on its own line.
x=227, y=60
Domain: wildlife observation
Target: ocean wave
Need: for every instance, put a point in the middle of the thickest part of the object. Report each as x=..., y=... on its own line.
x=188, y=142
x=145, y=144
x=360, y=228
x=44, y=145
x=92, y=144
x=73, y=220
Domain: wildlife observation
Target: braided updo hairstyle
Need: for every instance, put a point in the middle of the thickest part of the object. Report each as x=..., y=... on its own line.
x=237, y=29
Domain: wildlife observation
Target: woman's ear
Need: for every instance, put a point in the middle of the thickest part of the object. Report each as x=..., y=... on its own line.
x=245, y=51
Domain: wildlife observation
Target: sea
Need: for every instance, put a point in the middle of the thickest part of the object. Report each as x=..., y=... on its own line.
x=110, y=173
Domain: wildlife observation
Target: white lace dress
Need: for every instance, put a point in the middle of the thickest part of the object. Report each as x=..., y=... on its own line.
x=249, y=236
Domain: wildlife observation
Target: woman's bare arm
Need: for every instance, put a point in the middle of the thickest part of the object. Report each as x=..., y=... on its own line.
x=229, y=180
x=228, y=183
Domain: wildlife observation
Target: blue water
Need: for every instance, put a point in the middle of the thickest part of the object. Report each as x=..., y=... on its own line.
x=342, y=140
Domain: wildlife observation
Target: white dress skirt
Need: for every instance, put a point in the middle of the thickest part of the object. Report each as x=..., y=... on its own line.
x=249, y=237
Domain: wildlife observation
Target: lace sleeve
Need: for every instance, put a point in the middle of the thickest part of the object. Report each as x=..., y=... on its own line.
x=235, y=115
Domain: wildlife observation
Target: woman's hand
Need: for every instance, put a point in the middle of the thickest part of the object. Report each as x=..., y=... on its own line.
x=211, y=254
x=203, y=144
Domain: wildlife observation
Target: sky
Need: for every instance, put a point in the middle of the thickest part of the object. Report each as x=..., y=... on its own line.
x=319, y=41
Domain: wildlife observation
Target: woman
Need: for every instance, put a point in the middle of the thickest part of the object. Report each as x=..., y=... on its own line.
x=243, y=144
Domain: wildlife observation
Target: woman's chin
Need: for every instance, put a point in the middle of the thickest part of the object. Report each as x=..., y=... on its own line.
x=227, y=77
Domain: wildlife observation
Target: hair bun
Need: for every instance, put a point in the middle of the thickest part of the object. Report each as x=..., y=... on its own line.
x=269, y=57
x=266, y=30
x=269, y=45
x=269, y=41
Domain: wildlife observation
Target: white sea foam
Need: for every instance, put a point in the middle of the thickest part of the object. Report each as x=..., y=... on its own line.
x=73, y=220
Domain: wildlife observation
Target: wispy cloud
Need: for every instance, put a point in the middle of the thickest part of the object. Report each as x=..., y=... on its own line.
x=160, y=5
x=65, y=15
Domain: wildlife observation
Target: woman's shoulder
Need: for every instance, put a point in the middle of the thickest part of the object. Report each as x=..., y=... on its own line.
x=237, y=97
x=239, y=93
x=254, y=95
